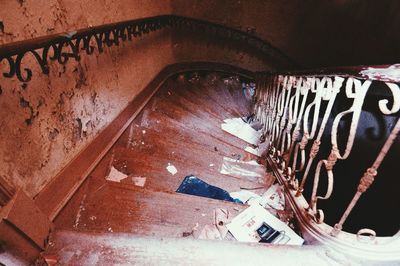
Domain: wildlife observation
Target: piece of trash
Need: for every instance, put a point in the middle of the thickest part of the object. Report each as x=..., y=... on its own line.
x=250, y=170
x=221, y=218
x=138, y=181
x=259, y=151
x=195, y=227
x=172, y=169
x=244, y=195
x=236, y=156
x=209, y=232
x=272, y=198
x=92, y=218
x=186, y=234
x=193, y=185
x=249, y=90
x=256, y=224
x=211, y=164
x=203, y=214
x=242, y=130
x=218, y=229
x=144, y=131
x=110, y=229
x=50, y=259
x=115, y=175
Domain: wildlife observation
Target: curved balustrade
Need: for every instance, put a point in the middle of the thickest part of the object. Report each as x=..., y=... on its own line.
x=303, y=113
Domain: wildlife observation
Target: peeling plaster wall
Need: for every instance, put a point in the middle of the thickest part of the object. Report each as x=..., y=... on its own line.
x=48, y=120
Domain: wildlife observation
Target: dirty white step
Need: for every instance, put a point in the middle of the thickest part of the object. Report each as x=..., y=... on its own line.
x=72, y=248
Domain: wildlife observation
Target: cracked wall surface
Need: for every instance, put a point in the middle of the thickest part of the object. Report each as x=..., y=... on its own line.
x=48, y=120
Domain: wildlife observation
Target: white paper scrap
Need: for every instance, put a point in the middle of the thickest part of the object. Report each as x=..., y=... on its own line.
x=115, y=175
x=172, y=169
x=139, y=181
x=255, y=221
x=244, y=195
x=242, y=130
x=274, y=198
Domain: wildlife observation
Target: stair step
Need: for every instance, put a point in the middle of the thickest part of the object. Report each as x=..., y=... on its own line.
x=117, y=207
x=76, y=248
x=154, y=169
x=202, y=98
x=175, y=130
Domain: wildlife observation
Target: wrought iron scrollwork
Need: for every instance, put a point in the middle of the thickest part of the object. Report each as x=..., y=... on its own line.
x=287, y=103
x=70, y=45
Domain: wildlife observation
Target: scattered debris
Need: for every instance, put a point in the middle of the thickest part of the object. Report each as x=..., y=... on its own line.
x=255, y=224
x=193, y=185
x=92, y=218
x=249, y=90
x=172, y=169
x=186, y=234
x=218, y=229
x=194, y=78
x=110, y=229
x=195, y=227
x=244, y=195
x=138, y=181
x=80, y=210
x=259, y=150
x=272, y=198
x=236, y=156
x=250, y=170
x=242, y=130
x=233, y=80
x=49, y=259
x=115, y=175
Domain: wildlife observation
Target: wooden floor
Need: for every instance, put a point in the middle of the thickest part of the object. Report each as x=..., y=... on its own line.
x=180, y=126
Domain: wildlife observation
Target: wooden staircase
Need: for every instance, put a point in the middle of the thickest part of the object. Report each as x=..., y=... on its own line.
x=180, y=126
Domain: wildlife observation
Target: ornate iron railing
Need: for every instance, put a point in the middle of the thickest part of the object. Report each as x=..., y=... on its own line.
x=300, y=114
x=62, y=47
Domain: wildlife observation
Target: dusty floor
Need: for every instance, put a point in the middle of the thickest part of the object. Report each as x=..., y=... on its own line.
x=179, y=127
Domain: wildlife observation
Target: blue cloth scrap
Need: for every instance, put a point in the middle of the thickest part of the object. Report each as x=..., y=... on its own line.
x=193, y=185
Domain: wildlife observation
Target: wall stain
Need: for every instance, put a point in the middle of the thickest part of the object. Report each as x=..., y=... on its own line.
x=26, y=104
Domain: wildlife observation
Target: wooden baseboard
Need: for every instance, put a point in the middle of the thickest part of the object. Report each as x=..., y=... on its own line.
x=63, y=186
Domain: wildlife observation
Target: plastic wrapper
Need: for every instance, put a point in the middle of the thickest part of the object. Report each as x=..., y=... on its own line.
x=250, y=170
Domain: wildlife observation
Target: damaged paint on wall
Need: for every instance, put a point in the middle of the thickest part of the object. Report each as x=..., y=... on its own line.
x=47, y=121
